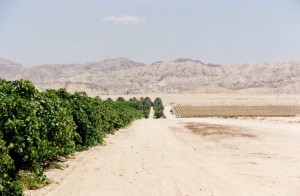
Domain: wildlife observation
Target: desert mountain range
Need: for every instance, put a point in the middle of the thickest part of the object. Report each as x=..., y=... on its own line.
x=124, y=76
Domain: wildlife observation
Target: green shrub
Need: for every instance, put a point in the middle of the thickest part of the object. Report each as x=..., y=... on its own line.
x=8, y=185
x=37, y=127
x=158, y=113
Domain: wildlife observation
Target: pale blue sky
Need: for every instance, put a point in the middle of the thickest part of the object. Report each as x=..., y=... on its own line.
x=36, y=32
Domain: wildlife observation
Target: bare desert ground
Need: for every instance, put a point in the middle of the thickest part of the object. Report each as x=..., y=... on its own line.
x=195, y=156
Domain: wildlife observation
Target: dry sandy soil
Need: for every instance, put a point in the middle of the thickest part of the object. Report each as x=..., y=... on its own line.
x=207, y=156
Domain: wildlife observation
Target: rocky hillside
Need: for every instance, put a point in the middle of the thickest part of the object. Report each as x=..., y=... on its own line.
x=8, y=68
x=124, y=76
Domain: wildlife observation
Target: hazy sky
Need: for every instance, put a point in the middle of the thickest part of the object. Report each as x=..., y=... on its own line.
x=219, y=31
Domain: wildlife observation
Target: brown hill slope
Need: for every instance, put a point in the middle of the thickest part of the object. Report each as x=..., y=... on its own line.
x=8, y=68
x=124, y=76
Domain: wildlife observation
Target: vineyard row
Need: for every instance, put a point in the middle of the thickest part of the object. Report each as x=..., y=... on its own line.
x=37, y=128
x=189, y=111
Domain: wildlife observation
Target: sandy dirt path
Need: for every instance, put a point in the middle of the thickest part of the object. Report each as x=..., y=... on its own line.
x=163, y=157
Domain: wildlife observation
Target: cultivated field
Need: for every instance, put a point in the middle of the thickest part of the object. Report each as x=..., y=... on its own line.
x=188, y=111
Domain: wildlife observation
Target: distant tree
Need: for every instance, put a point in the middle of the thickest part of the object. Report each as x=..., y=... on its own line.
x=147, y=103
x=120, y=99
x=158, y=114
x=141, y=107
x=158, y=108
x=157, y=104
x=133, y=99
x=108, y=99
x=97, y=97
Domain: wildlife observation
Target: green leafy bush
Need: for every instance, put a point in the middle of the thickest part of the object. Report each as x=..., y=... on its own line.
x=158, y=113
x=37, y=127
x=8, y=185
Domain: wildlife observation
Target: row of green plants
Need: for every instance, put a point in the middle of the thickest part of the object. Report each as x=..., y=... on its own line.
x=142, y=104
x=36, y=128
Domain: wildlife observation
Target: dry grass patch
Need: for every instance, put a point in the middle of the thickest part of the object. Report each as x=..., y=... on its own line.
x=216, y=130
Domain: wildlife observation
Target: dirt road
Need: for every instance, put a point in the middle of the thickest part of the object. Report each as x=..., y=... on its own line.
x=169, y=157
